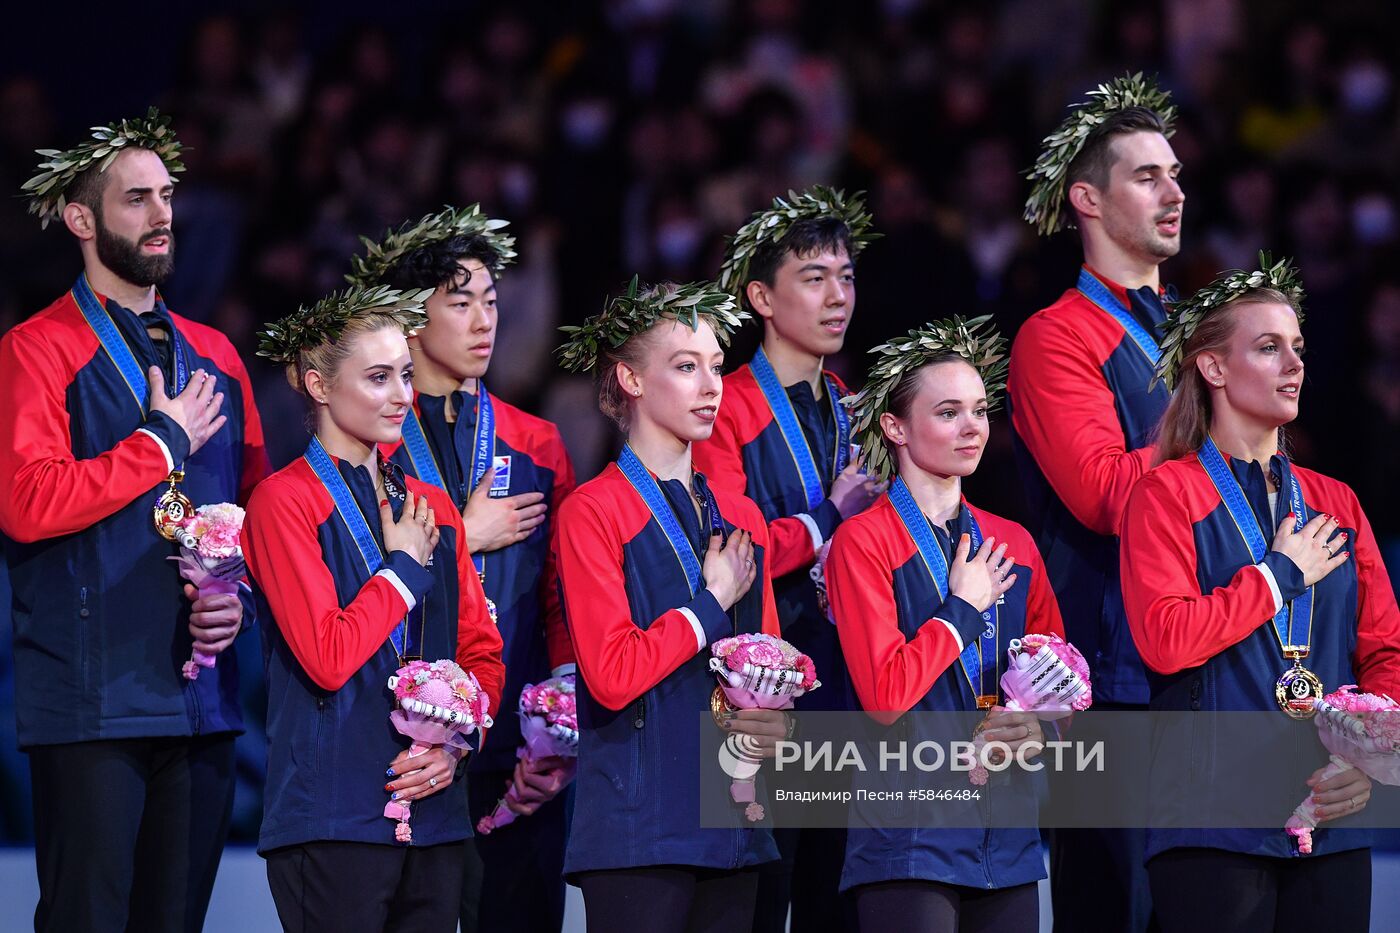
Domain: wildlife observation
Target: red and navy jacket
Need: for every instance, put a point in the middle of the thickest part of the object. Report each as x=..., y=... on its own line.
x=644, y=679
x=902, y=642
x=1083, y=420
x=747, y=455
x=101, y=620
x=1201, y=611
x=529, y=456
x=328, y=655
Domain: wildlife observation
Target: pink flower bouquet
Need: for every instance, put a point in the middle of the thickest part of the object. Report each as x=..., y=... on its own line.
x=439, y=704
x=1045, y=675
x=1361, y=730
x=211, y=558
x=756, y=672
x=549, y=725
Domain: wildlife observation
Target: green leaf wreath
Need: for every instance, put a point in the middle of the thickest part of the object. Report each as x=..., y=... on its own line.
x=975, y=340
x=1187, y=315
x=637, y=309
x=283, y=340
x=770, y=226
x=46, y=190
x=371, y=268
x=1045, y=208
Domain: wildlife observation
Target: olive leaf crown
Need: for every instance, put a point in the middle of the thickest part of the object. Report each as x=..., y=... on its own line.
x=1045, y=208
x=1187, y=314
x=975, y=340
x=637, y=309
x=283, y=340
x=770, y=226
x=57, y=173
x=380, y=257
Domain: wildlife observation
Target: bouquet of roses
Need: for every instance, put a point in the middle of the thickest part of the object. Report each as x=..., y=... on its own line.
x=756, y=672
x=1045, y=675
x=211, y=558
x=1360, y=730
x=438, y=704
x=549, y=725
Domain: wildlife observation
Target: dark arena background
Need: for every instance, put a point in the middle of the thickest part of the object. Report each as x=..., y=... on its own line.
x=631, y=136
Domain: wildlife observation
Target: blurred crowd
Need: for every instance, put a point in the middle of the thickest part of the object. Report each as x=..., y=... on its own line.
x=625, y=136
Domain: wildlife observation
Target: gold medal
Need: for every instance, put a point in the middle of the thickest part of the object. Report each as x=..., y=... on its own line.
x=720, y=708
x=1297, y=689
x=172, y=508
x=986, y=701
x=490, y=603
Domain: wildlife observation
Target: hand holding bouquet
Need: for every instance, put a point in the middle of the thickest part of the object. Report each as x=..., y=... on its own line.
x=1047, y=676
x=755, y=672
x=549, y=725
x=211, y=558
x=439, y=704
x=1361, y=730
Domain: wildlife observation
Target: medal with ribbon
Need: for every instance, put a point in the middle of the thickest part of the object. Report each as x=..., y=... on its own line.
x=406, y=646
x=420, y=454
x=1297, y=688
x=173, y=506
x=975, y=656
x=801, y=452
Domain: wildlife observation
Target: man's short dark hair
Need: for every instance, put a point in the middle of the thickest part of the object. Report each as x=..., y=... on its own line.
x=439, y=264
x=804, y=239
x=1095, y=160
x=87, y=188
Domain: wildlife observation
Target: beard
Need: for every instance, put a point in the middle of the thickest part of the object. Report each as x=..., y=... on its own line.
x=124, y=257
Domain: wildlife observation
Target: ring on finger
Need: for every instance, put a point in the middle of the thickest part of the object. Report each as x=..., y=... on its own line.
x=432, y=782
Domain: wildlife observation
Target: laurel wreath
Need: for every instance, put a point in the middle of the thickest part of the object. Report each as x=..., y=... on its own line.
x=975, y=340
x=638, y=308
x=283, y=340
x=380, y=257
x=772, y=225
x=61, y=167
x=1187, y=315
x=1045, y=208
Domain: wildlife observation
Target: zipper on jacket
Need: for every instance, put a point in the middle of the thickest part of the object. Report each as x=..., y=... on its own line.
x=83, y=610
x=639, y=719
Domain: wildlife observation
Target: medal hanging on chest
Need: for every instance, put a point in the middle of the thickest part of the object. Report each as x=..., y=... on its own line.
x=1297, y=687
x=172, y=508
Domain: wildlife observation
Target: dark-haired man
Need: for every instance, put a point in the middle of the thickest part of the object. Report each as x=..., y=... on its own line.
x=507, y=470
x=111, y=402
x=1083, y=416
x=782, y=438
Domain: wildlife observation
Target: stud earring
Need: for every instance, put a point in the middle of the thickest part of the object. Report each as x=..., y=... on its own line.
x=637, y=393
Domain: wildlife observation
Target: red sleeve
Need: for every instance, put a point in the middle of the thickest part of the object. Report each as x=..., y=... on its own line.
x=47, y=491
x=617, y=659
x=721, y=459
x=771, y=625
x=890, y=673
x=255, y=463
x=479, y=644
x=283, y=552
x=1378, y=626
x=1174, y=626
x=556, y=633
x=1055, y=381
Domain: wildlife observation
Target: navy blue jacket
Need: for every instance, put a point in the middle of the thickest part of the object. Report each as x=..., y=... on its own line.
x=329, y=658
x=101, y=622
x=645, y=681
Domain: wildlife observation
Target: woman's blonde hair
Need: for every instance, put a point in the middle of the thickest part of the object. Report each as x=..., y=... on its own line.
x=1186, y=422
x=328, y=356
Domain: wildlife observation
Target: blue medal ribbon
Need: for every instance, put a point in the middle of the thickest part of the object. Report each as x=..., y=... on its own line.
x=117, y=349
x=798, y=448
x=415, y=441
x=1100, y=294
x=975, y=656
x=646, y=486
x=483, y=451
x=354, y=519
x=1253, y=536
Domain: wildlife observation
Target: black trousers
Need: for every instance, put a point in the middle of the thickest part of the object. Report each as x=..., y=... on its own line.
x=514, y=880
x=128, y=832
x=806, y=876
x=1227, y=892
x=668, y=899
x=930, y=907
x=361, y=887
